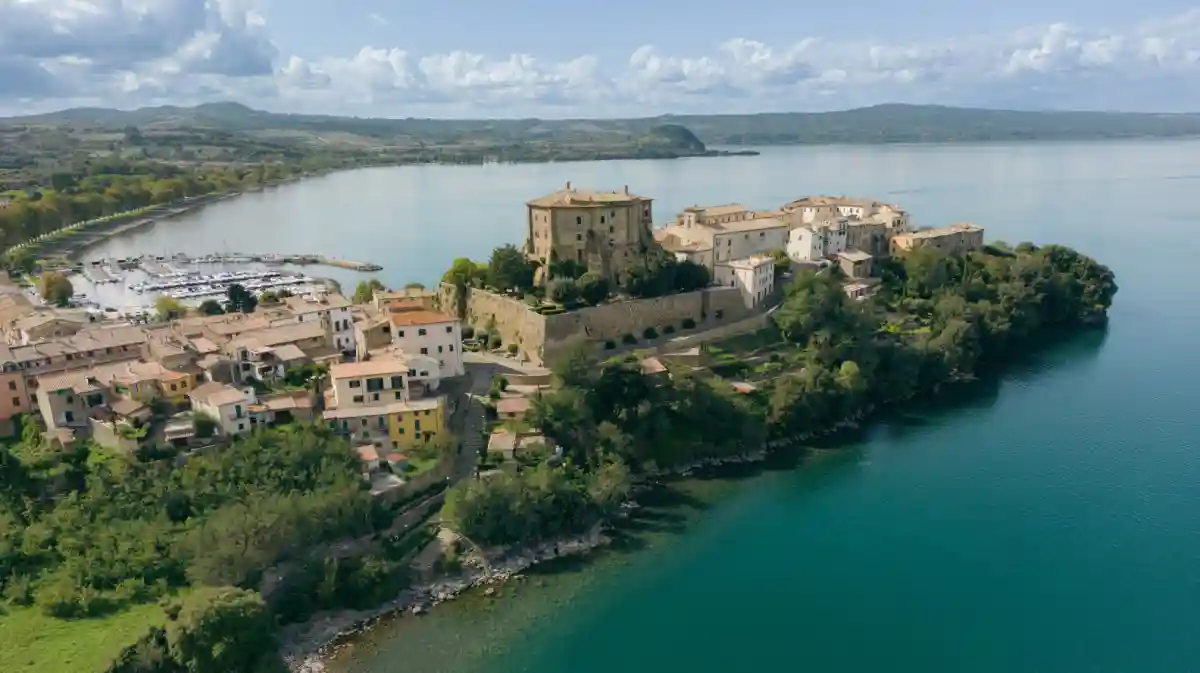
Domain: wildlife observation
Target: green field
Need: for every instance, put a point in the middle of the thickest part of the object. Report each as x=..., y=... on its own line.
x=31, y=642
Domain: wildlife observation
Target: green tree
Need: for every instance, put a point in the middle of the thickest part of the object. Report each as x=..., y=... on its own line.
x=364, y=293
x=224, y=629
x=563, y=290
x=240, y=299
x=593, y=288
x=168, y=308
x=210, y=307
x=56, y=288
x=508, y=270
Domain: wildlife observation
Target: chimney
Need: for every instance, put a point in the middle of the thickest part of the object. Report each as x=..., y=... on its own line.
x=568, y=185
x=626, y=190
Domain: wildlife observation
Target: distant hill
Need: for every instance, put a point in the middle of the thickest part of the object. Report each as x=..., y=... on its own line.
x=877, y=124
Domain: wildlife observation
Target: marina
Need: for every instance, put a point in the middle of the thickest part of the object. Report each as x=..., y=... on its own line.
x=129, y=287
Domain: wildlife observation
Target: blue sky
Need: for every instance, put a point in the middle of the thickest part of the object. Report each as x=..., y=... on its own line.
x=466, y=58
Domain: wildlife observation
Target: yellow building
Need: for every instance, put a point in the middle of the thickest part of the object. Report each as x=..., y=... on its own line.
x=416, y=421
x=604, y=231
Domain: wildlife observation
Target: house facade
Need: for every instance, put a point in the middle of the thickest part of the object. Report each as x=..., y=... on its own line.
x=228, y=406
x=753, y=276
x=418, y=331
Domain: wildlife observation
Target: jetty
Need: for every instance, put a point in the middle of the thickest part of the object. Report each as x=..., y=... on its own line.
x=182, y=259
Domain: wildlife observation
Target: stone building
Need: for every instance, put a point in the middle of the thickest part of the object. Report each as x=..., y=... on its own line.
x=715, y=235
x=604, y=231
x=954, y=239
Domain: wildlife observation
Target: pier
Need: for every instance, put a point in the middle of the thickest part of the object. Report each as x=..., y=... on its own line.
x=172, y=261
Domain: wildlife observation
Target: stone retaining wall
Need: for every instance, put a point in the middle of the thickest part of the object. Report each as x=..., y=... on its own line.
x=538, y=337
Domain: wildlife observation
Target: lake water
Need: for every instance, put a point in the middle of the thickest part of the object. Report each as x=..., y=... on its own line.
x=1047, y=522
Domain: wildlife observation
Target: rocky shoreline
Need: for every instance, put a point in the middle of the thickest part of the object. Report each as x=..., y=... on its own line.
x=305, y=649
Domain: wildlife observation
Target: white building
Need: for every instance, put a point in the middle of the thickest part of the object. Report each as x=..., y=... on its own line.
x=710, y=236
x=812, y=208
x=228, y=406
x=754, y=276
x=332, y=311
x=419, y=331
x=818, y=240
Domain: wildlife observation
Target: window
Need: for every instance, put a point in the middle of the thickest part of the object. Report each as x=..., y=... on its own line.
x=578, y=237
x=400, y=430
x=424, y=373
x=578, y=220
x=397, y=381
x=241, y=427
x=417, y=424
x=69, y=416
x=355, y=383
x=399, y=394
x=363, y=423
x=382, y=422
x=16, y=401
x=12, y=385
x=358, y=399
x=374, y=397
x=421, y=332
x=237, y=411
x=374, y=384
x=601, y=219
x=412, y=372
x=400, y=333
x=174, y=387
x=611, y=229
x=439, y=349
x=451, y=347
x=424, y=351
x=449, y=329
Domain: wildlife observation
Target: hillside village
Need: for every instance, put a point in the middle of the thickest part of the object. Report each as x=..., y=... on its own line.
x=374, y=371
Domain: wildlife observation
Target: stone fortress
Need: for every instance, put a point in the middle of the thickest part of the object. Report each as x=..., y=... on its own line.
x=603, y=231
x=607, y=232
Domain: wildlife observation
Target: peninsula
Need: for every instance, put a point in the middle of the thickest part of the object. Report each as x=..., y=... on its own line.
x=220, y=491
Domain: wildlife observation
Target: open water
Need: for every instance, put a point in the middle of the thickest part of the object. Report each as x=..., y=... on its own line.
x=1048, y=521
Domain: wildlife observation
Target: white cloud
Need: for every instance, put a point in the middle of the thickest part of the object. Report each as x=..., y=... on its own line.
x=55, y=53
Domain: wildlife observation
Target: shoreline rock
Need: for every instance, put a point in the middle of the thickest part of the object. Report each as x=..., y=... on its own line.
x=307, y=646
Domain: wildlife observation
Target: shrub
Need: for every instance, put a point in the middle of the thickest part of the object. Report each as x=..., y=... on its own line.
x=593, y=288
x=688, y=323
x=468, y=332
x=563, y=290
x=629, y=339
x=650, y=333
x=494, y=340
x=668, y=329
x=512, y=349
x=610, y=345
x=204, y=425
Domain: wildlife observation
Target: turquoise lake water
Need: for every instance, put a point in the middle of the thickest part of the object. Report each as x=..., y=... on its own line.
x=1049, y=521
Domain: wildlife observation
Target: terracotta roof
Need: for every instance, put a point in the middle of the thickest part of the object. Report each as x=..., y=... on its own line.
x=584, y=198
x=372, y=367
x=367, y=453
x=503, y=441
x=218, y=394
x=515, y=404
x=425, y=404
x=127, y=407
x=854, y=255
x=278, y=335
x=422, y=316
x=302, y=305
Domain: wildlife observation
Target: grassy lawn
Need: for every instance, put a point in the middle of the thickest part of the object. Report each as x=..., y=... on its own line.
x=421, y=465
x=31, y=642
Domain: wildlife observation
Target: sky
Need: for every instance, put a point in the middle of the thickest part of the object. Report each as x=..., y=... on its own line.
x=597, y=58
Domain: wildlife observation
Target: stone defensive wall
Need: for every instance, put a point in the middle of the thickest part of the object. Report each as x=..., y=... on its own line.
x=538, y=336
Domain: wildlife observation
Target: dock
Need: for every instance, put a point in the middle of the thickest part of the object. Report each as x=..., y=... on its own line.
x=181, y=259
